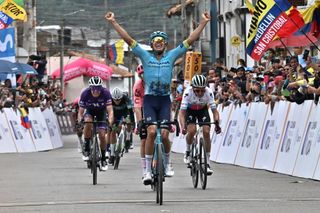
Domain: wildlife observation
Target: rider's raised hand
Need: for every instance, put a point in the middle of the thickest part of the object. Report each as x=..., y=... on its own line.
x=109, y=16
x=206, y=16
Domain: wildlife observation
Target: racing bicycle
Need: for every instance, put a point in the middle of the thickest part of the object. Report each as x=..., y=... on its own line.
x=198, y=158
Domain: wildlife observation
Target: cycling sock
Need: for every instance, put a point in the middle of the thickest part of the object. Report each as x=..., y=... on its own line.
x=188, y=147
x=166, y=158
x=143, y=164
x=208, y=157
x=148, y=163
x=112, y=149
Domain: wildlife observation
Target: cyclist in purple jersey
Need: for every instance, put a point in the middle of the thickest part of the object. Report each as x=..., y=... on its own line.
x=158, y=68
x=95, y=101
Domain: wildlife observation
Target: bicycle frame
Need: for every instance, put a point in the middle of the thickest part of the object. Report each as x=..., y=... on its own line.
x=157, y=161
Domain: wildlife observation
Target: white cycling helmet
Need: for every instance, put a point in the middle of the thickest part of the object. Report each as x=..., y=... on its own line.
x=95, y=81
x=117, y=93
x=199, y=81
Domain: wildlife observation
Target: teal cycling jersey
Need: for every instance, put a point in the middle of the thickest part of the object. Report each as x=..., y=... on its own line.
x=158, y=73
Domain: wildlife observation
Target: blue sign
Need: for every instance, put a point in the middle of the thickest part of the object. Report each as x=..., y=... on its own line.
x=7, y=46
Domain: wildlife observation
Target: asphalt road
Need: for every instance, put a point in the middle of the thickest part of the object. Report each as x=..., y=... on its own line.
x=58, y=181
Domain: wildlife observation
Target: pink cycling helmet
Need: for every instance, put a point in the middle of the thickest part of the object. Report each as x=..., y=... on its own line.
x=139, y=69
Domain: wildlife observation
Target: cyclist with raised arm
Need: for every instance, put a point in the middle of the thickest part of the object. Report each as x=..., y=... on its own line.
x=138, y=94
x=122, y=110
x=194, y=107
x=158, y=68
x=95, y=101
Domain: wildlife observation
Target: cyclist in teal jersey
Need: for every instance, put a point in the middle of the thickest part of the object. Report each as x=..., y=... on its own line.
x=158, y=68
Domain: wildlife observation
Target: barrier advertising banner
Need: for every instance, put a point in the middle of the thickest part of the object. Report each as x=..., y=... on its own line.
x=39, y=130
x=216, y=139
x=53, y=128
x=271, y=136
x=292, y=137
x=6, y=141
x=233, y=134
x=309, y=151
x=252, y=132
x=20, y=135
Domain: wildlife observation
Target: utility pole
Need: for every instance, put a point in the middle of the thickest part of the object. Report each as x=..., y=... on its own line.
x=107, y=41
x=62, y=54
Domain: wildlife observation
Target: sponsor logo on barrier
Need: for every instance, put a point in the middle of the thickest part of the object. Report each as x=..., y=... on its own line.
x=17, y=134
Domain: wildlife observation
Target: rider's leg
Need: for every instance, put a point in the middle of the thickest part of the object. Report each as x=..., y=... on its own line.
x=151, y=136
x=206, y=137
x=87, y=134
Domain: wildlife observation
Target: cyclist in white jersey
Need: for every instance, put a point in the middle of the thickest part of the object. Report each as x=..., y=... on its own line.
x=194, y=107
x=158, y=68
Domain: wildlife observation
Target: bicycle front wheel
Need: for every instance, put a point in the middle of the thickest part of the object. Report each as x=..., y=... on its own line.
x=94, y=159
x=203, y=163
x=194, y=169
x=160, y=174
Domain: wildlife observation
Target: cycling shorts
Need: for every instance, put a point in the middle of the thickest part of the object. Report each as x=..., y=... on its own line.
x=101, y=115
x=192, y=116
x=156, y=108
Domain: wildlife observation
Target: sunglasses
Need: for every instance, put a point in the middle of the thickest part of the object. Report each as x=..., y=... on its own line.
x=158, y=39
x=96, y=89
x=199, y=90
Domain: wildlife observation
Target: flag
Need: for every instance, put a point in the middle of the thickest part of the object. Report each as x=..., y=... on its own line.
x=5, y=20
x=250, y=6
x=310, y=30
x=13, y=10
x=269, y=17
x=116, y=52
x=24, y=118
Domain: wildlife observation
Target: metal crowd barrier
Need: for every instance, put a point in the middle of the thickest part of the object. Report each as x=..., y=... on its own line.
x=66, y=122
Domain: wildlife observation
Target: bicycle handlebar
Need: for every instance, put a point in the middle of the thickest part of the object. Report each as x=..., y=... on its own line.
x=159, y=123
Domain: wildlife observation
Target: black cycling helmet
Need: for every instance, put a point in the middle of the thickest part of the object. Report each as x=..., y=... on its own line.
x=199, y=81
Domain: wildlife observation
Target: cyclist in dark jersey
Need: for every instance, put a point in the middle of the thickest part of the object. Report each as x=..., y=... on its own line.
x=123, y=111
x=95, y=101
x=158, y=68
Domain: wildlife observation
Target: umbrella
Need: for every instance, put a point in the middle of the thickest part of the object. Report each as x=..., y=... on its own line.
x=7, y=67
x=25, y=69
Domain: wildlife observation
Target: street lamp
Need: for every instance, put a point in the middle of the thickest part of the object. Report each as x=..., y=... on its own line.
x=62, y=46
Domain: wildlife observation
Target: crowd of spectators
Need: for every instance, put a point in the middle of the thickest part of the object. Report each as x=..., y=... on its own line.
x=31, y=93
x=294, y=78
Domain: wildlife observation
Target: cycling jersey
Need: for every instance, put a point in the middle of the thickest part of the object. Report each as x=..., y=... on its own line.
x=87, y=101
x=123, y=109
x=158, y=73
x=138, y=93
x=191, y=101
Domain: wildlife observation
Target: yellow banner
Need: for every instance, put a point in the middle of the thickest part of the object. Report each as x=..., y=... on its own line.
x=13, y=10
x=193, y=64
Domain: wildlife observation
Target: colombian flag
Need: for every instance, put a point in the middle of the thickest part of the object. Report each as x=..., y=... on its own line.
x=269, y=18
x=116, y=52
x=5, y=20
x=250, y=6
x=24, y=118
x=311, y=29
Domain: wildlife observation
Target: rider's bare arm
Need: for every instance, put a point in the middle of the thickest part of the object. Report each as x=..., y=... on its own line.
x=196, y=33
x=122, y=32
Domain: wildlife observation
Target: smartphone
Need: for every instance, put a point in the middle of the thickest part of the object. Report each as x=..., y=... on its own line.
x=305, y=54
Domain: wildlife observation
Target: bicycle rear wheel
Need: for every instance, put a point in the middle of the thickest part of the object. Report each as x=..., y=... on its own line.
x=194, y=169
x=160, y=174
x=203, y=163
